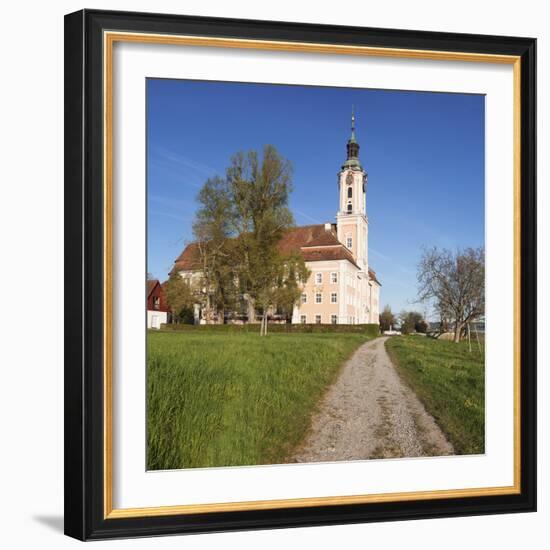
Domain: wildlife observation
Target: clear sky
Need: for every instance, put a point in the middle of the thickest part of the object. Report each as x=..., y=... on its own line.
x=423, y=152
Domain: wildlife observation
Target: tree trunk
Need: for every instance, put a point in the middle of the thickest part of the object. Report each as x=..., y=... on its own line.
x=250, y=309
x=263, y=324
x=458, y=331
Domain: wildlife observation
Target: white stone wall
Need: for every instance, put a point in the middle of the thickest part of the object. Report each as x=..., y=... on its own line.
x=156, y=318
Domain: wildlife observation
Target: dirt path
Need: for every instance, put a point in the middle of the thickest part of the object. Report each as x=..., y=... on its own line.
x=370, y=413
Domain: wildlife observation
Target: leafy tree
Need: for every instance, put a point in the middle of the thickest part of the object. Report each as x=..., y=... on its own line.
x=288, y=288
x=410, y=320
x=387, y=319
x=179, y=296
x=213, y=228
x=455, y=282
x=240, y=222
x=260, y=189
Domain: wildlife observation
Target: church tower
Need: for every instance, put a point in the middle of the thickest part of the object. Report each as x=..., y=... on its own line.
x=351, y=219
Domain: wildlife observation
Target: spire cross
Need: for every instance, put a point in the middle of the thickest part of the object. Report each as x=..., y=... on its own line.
x=353, y=122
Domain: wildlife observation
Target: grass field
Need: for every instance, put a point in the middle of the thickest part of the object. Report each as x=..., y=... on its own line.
x=450, y=382
x=235, y=399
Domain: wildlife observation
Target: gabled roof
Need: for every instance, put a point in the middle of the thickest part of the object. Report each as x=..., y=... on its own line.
x=151, y=284
x=188, y=260
x=315, y=243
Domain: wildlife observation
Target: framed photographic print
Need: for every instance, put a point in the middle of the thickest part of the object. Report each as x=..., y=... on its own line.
x=300, y=274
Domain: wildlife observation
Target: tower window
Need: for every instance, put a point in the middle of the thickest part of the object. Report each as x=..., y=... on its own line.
x=349, y=242
x=350, y=192
x=349, y=208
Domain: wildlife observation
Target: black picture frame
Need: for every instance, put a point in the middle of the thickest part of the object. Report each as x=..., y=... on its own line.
x=84, y=282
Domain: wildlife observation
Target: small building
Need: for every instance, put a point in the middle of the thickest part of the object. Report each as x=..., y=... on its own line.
x=157, y=308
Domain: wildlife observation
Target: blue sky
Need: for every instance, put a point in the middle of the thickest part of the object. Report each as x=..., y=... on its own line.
x=423, y=152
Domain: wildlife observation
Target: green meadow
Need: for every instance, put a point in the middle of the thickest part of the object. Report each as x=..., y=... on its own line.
x=450, y=382
x=232, y=399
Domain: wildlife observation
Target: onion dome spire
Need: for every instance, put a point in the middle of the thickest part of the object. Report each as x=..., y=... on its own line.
x=352, y=161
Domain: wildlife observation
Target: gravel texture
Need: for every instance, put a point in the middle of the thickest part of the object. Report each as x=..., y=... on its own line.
x=370, y=413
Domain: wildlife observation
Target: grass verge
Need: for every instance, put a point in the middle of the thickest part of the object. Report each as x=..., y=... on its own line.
x=450, y=382
x=235, y=399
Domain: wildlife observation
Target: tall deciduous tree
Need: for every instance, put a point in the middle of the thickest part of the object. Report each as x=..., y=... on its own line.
x=239, y=224
x=213, y=230
x=260, y=189
x=455, y=282
x=387, y=319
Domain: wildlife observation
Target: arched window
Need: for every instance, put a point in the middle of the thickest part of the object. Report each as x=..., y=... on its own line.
x=349, y=208
x=349, y=192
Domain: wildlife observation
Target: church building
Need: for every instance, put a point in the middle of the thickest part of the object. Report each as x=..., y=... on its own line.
x=342, y=288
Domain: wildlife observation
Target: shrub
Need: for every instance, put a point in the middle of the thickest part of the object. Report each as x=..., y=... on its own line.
x=371, y=330
x=421, y=326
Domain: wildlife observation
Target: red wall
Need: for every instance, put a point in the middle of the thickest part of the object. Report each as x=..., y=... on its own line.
x=157, y=293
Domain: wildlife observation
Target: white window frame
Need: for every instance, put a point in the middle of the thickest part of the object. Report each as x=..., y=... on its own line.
x=318, y=278
x=334, y=297
x=334, y=277
x=320, y=296
x=349, y=242
x=303, y=319
x=304, y=298
x=334, y=319
x=318, y=319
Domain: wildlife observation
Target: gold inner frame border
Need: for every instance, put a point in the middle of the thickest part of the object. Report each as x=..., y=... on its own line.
x=109, y=39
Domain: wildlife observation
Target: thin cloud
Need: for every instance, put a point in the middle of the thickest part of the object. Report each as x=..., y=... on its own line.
x=379, y=254
x=306, y=216
x=401, y=268
x=171, y=203
x=172, y=216
x=185, y=162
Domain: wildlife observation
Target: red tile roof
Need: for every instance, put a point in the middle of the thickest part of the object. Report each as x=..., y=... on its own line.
x=319, y=254
x=188, y=260
x=306, y=236
x=314, y=242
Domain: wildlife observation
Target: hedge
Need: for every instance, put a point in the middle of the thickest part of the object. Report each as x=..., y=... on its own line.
x=372, y=330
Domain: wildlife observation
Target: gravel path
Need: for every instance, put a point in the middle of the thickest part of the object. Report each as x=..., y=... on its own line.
x=370, y=413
